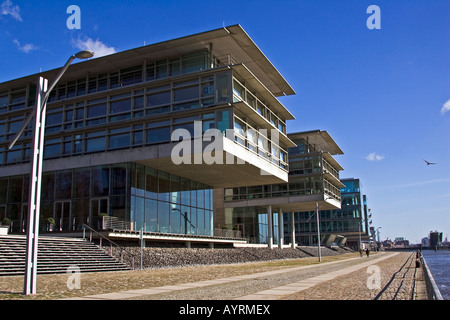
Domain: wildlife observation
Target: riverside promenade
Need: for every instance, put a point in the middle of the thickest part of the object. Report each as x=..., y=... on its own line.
x=382, y=276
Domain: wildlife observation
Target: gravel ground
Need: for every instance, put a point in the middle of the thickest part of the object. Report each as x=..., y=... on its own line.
x=354, y=286
x=55, y=286
x=344, y=291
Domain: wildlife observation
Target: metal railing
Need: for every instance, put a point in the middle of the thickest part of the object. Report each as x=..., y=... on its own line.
x=112, y=243
x=432, y=288
x=114, y=223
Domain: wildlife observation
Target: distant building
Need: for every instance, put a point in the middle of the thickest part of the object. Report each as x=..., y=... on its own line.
x=264, y=213
x=343, y=226
x=435, y=238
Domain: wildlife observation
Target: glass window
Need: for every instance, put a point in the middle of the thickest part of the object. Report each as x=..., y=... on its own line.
x=52, y=150
x=223, y=120
x=151, y=215
x=114, y=80
x=238, y=90
x=119, y=141
x=64, y=184
x=164, y=216
x=194, y=62
x=14, y=156
x=158, y=135
x=161, y=69
x=96, y=111
x=119, y=179
x=15, y=189
x=48, y=186
x=150, y=72
x=189, y=93
x=120, y=106
x=158, y=99
x=118, y=207
x=4, y=99
x=151, y=183
x=174, y=66
x=175, y=195
x=222, y=87
x=163, y=186
x=138, y=103
x=239, y=127
x=159, y=110
x=100, y=181
x=131, y=75
x=96, y=144
x=102, y=82
x=186, y=106
x=81, y=183
x=53, y=119
x=175, y=219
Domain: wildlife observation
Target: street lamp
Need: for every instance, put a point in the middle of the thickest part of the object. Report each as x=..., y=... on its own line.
x=38, y=113
x=318, y=229
x=359, y=227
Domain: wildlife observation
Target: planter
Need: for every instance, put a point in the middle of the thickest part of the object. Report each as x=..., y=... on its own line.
x=4, y=231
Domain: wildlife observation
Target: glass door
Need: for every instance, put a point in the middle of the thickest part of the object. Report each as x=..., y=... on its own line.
x=61, y=214
x=99, y=207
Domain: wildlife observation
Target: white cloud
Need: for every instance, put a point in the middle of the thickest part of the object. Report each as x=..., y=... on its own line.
x=374, y=157
x=99, y=48
x=446, y=107
x=26, y=48
x=7, y=8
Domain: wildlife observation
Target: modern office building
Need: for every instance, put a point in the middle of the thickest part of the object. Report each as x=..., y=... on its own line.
x=112, y=147
x=345, y=226
x=265, y=213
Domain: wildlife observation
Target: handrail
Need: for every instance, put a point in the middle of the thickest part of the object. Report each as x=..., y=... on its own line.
x=110, y=241
x=432, y=288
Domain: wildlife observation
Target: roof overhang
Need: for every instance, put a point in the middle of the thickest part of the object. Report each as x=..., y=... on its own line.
x=298, y=203
x=232, y=40
x=320, y=139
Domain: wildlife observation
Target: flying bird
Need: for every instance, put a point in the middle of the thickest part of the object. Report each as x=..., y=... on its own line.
x=428, y=163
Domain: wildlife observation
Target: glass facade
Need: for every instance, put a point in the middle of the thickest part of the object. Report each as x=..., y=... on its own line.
x=346, y=220
x=253, y=223
x=129, y=119
x=147, y=199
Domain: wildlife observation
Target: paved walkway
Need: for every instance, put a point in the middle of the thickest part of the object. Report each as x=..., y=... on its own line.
x=271, y=285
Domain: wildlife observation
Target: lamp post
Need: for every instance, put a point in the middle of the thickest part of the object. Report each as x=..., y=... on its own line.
x=377, y=232
x=42, y=95
x=359, y=227
x=319, y=251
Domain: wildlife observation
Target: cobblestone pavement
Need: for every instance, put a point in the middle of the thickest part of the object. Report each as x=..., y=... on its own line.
x=396, y=282
x=352, y=286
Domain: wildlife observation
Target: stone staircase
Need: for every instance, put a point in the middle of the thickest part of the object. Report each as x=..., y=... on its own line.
x=55, y=255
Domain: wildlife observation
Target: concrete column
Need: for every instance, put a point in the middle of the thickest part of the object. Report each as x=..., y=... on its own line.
x=292, y=230
x=280, y=229
x=270, y=227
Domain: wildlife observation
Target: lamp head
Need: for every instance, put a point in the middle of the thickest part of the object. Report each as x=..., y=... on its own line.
x=86, y=54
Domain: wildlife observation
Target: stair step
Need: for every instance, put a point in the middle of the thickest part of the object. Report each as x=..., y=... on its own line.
x=55, y=255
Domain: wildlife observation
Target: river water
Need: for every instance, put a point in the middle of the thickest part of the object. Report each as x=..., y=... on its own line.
x=439, y=264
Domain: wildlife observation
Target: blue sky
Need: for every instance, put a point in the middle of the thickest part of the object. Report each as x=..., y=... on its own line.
x=383, y=94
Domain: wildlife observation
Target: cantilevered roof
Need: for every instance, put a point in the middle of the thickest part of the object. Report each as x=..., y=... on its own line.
x=231, y=40
x=320, y=139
